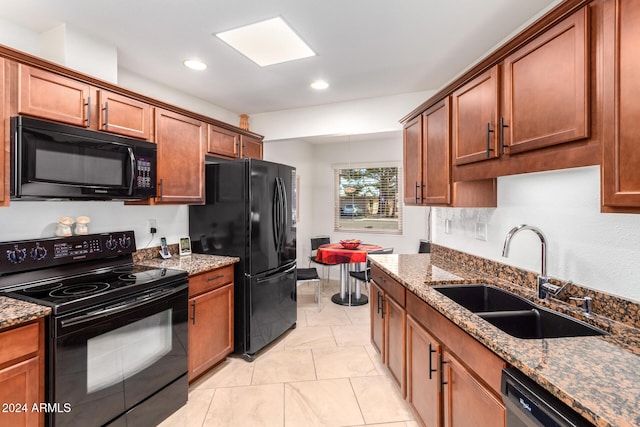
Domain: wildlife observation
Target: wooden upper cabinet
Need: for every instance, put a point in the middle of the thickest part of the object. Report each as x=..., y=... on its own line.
x=621, y=141
x=251, y=147
x=50, y=96
x=223, y=142
x=436, y=172
x=546, y=88
x=412, y=136
x=475, y=118
x=4, y=131
x=123, y=115
x=180, y=172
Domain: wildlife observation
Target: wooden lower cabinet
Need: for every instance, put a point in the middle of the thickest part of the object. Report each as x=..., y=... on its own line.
x=22, y=375
x=423, y=378
x=466, y=401
x=395, y=349
x=210, y=319
x=376, y=302
x=388, y=324
x=452, y=379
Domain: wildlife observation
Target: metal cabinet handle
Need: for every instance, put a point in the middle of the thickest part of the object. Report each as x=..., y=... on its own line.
x=442, y=381
x=379, y=301
x=88, y=104
x=106, y=115
x=431, y=370
x=502, y=126
x=160, y=188
x=193, y=319
x=416, y=197
x=219, y=276
x=489, y=132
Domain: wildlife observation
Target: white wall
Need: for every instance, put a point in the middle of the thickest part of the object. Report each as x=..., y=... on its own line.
x=599, y=251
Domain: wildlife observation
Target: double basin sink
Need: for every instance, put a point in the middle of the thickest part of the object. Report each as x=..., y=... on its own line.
x=515, y=315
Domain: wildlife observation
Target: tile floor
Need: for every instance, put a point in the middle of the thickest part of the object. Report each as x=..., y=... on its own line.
x=323, y=373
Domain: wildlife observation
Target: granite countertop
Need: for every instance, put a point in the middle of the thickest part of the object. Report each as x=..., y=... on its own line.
x=598, y=376
x=192, y=264
x=14, y=312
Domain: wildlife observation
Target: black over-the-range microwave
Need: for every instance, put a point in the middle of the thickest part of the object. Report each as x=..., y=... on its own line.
x=54, y=161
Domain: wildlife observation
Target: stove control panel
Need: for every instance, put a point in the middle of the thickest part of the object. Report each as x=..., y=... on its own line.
x=25, y=255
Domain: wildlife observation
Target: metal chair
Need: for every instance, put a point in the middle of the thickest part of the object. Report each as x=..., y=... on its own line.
x=304, y=275
x=316, y=242
x=365, y=276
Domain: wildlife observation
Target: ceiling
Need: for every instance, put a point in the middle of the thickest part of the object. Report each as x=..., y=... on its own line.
x=365, y=48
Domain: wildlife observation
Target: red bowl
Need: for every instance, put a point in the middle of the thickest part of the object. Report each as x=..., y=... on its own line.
x=350, y=244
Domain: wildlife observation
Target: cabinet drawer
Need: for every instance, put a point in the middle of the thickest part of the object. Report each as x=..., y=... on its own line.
x=389, y=285
x=211, y=280
x=18, y=342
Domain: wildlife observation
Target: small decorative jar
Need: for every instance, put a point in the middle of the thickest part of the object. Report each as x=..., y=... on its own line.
x=81, y=225
x=64, y=226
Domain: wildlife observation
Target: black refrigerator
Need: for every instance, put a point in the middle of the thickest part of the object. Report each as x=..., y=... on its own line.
x=248, y=214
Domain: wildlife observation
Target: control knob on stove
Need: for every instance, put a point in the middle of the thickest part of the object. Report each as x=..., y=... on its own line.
x=111, y=243
x=16, y=255
x=125, y=241
x=38, y=253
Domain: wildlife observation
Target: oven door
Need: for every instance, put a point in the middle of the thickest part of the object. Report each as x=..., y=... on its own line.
x=107, y=360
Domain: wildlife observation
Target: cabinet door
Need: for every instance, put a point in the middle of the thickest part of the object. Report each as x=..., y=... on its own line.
x=621, y=142
x=466, y=401
x=210, y=329
x=436, y=131
x=19, y=386
x=180, y=142
x=50, y=96
x=412, y=135
x=546, y=87
x=124, y=116
x=395, y=333
x=4, y=114
x=377, y=319
x=423, y=386
x=251, y=147
x=223, y=142
x=474, y=118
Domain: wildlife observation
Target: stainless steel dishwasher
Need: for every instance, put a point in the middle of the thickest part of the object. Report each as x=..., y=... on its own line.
x=529, y=405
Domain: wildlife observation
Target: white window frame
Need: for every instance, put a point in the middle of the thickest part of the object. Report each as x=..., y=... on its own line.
x=340, y=227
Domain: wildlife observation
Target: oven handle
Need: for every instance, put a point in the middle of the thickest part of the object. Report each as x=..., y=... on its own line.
x=124, y=306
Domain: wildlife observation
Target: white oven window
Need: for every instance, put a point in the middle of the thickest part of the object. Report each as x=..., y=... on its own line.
x=119, y=354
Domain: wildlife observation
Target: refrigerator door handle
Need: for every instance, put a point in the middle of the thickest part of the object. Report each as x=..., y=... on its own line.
x=276, y=216
x=284, y=273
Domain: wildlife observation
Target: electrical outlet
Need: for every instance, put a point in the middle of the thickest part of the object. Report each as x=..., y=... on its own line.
x=481, y=231
x=152, y=226
x=447, y=226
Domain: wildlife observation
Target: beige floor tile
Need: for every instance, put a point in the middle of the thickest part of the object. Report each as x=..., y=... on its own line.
x=351, y=335
x=380, y=400
x=359, y=315
x=309, y=337
x=234, y=371
x=252, y=406
x=284, y=366
x=343, y=362
x=331, y=314
x=193, y=413
x=376, y=359
x=321, y=403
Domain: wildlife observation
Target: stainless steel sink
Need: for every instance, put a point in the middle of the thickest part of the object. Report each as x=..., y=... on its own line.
x=515, y=315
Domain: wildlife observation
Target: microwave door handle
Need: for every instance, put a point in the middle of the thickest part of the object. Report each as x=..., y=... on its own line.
x=132, y=159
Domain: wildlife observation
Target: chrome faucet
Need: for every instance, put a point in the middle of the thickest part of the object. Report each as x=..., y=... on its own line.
x=544, y=287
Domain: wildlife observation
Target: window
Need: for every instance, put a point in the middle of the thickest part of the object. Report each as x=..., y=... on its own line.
x=368, y=199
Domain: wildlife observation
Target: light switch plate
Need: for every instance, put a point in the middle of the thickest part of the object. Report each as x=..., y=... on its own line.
x=447, y=226
x=481, y=231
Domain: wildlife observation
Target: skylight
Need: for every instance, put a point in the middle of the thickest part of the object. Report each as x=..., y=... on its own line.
x=268, y=42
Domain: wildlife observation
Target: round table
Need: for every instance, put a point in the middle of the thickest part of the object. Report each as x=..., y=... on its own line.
x=335, y=253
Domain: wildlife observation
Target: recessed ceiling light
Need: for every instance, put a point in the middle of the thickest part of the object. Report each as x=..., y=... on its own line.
x=194, y=64
x=268, y=42
x=320, y=85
